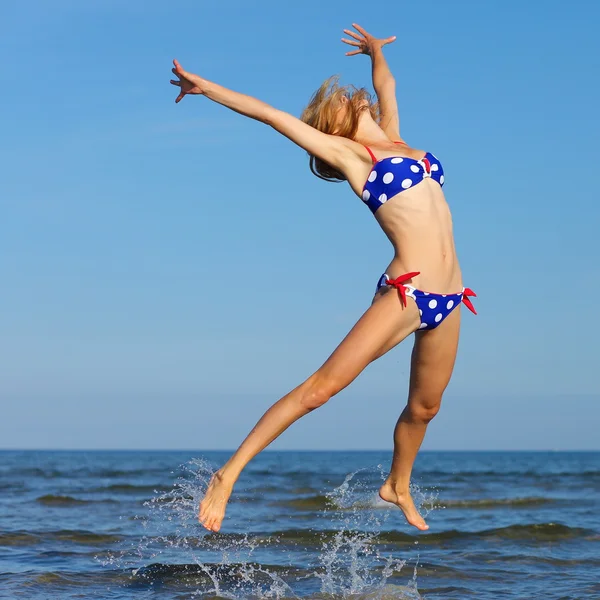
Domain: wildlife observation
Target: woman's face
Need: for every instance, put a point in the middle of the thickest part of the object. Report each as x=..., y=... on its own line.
x=343, y=106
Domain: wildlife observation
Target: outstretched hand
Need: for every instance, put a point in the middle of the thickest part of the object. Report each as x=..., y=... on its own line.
x=187, y=82
x=365, y=42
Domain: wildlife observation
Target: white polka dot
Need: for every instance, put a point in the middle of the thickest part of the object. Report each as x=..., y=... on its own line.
x=366, y=195
x=423, y=325
x=441, y=179
x=382, y=198
x=414, y=168
x=438, y=317
x=396, y=160
x=434, y=167
x=388, y=178
x=432, y=303
x=450, y=304
x=372, y=176
x=407, y=183
x=420, y=312
x=443, y=295
x=426, y=293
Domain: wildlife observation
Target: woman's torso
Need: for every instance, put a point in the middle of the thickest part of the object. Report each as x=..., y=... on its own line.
x=416, y=220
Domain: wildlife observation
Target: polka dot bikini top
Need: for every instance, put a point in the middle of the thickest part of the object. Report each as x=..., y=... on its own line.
x=390, y=176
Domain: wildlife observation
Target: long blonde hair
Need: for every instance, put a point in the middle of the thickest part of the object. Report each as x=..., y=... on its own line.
x=321, y=114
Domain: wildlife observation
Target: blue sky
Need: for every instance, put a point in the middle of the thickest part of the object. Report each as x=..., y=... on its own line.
x=170, y=270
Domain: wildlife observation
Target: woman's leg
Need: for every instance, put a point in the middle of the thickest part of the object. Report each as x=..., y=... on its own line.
x=383, y=325
x=432, y=363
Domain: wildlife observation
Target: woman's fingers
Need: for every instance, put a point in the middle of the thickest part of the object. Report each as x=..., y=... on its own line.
x=367, y=35
x=352, y=34
x=179, y=70
x=354, y=52
x=350, y=42
x=360, y=29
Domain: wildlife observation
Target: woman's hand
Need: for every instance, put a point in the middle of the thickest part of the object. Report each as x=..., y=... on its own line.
x=365, y=42
x=187, y=82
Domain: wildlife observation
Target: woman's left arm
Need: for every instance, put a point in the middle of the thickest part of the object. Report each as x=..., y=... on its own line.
x=383, y=80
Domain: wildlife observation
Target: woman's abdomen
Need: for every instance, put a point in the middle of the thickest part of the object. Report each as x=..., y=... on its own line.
x=419, y=227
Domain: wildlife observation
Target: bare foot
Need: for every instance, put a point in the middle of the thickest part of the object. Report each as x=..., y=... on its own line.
x=404, y=502
x=212, y=507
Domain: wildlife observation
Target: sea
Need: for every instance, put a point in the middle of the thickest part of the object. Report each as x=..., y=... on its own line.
x=123, y=525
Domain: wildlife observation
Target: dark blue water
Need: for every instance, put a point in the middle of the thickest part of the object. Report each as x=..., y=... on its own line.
x=301, y=525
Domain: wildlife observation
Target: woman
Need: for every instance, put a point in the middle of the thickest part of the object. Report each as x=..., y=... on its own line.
x=402, y=186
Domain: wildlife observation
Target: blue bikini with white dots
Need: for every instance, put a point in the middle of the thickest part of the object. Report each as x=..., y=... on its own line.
x=390, y=176
x=433, y=308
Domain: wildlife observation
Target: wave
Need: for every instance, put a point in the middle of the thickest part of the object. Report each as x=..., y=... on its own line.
x=66, y=501
x=322, y=502
x=311, y=503
x=33, y=538
x=531, y=532
x=12, y=486
x=86, y=472
x=52, y=584
x=163, y=571
x=36, y=472
x=592, y=563
x=305, y=537
x=131, y=488
x=460, y=475
x=494, y=503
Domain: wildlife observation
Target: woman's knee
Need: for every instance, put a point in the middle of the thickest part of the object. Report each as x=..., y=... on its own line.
x=317, y=391
x=424, y=408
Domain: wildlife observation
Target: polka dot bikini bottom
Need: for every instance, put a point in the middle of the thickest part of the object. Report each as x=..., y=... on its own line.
x=433, y=308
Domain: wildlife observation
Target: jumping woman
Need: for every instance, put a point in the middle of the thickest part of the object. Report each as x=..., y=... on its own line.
x=349, y=138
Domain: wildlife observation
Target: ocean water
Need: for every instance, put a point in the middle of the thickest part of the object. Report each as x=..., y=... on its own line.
x=120, y=525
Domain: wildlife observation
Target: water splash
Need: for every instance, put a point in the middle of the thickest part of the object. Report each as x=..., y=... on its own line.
x=173, y=534
x=350, y=564
x=352, y=560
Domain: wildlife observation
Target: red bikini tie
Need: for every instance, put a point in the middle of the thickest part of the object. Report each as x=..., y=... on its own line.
x=468, y=303
x=398, y=283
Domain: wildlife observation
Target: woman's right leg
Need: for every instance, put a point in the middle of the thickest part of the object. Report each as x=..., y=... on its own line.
x=384, y=324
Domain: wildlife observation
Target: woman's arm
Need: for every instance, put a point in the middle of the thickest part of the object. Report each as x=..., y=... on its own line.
x=334, y=150
x=383, y=80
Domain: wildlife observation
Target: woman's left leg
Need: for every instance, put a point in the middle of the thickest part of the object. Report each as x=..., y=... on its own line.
x=433, y=358
x=385, y=323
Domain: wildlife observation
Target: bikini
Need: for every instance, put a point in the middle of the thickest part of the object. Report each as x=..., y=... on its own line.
x=387, y=178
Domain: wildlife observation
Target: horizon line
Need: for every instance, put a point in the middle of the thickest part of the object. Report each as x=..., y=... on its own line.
x=423, y=451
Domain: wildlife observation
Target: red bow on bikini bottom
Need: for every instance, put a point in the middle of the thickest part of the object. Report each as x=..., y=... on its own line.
x=469, y=292
x=398, y=283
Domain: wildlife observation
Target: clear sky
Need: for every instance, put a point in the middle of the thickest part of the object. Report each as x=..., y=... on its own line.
x=168, y=271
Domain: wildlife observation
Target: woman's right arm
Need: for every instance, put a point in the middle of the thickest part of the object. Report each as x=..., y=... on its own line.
x=334, y=150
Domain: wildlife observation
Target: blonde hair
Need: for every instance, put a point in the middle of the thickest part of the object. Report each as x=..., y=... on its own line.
x=321, y=114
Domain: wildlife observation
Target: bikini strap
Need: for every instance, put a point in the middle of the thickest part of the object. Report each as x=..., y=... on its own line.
x=403, y=143
x=371, y=154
